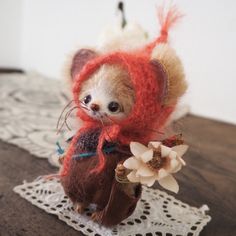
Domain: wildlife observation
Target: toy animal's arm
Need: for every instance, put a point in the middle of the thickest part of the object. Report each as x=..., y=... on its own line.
x=62, y=157
x=122, y=201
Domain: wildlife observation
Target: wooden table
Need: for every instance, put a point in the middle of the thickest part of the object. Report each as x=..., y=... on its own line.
x=209, y=178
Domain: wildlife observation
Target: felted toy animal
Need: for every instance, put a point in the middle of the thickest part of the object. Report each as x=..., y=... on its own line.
x=121, y=97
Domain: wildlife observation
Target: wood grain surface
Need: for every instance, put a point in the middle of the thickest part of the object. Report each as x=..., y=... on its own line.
x=209, y=178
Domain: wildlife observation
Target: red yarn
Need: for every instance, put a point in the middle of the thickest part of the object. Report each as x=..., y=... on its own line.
x=167, y=21
x=147, y=114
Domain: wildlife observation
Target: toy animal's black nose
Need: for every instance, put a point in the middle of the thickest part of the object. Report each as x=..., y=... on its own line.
x=94, y=107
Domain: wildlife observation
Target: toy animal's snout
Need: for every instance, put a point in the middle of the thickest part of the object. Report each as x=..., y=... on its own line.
x=94, y=107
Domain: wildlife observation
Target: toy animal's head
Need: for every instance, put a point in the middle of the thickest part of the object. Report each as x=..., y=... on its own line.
x=108, y=94
x=108, y=87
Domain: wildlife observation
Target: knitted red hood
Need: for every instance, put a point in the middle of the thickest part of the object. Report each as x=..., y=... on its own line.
x=148, y=112
x=148, y=115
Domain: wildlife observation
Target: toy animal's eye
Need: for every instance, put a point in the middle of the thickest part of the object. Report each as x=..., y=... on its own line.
x=87, y=99
x=114, y=107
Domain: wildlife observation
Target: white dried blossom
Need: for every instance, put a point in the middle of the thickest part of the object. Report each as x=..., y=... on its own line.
x=148, y=167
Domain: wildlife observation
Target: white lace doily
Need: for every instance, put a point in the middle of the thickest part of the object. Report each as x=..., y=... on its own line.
x=157, y=213
x=29, y=109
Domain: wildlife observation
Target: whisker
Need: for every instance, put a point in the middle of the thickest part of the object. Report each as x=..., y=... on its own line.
x=65, y=119
x=104, y=126
x=67, y=116
x=100, y=119
x=82, y=105
x=86, y=108
x=155, y=131
x=69, y=112
x=81, y=102
x=59, y=119
x=109, y=118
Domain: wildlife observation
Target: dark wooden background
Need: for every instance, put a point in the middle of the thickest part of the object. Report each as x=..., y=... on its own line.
x=209, y=178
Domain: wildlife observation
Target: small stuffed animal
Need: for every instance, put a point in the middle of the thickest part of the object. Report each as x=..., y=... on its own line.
x=122, y=96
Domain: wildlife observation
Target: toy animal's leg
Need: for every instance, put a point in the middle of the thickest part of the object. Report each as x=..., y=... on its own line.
x=96, y=216
x=121, y=204
x=80, y=206
x=74, y=195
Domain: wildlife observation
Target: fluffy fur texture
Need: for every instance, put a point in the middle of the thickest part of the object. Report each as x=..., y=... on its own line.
x=109, y=83
x=74, y=62
x=176, y=84
x=116, y=38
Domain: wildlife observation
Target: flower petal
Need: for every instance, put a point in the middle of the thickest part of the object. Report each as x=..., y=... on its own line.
x=131, y=163
x=137, y=149
x=180, y=149
x=154, y=144
x=145, y=171
x=175, y=166
x=181, y=160
x=147, y=156
x=178, y=168
x=169, y=183
x=162, y=173
x=165, y=151
x=132, y=177
x=173, y=155
x=149, y=181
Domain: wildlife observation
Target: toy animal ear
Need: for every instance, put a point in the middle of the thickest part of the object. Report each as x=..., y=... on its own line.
x=162, y=78
x=80, y=58
x=170, y=73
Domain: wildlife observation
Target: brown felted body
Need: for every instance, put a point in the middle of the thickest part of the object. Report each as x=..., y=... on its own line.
x=113, y=201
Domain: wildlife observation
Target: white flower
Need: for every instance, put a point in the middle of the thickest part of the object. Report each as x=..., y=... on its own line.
x=155, y=163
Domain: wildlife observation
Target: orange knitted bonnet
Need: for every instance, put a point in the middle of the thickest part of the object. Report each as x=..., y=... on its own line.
x=149, y=80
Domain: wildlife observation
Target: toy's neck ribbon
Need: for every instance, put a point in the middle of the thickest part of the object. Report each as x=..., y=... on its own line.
x=83, y=155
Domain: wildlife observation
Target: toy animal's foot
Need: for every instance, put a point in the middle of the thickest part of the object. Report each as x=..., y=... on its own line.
x=96, y=216
x=79, y=207
x=61, y=159
x=120, y=171
x=51, y=176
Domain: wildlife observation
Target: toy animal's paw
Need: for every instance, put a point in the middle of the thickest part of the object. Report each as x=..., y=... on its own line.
x=120, y=171
x=61, y=159
x=52, y=176
x=79, y=207
x=97, y=216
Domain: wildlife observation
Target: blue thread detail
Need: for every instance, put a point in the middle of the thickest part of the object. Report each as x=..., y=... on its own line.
x=60, y=151
x=91, y=154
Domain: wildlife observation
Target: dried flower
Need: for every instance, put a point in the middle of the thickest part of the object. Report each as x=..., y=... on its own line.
x=156, y=162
